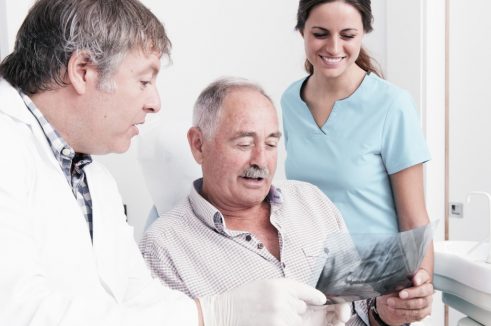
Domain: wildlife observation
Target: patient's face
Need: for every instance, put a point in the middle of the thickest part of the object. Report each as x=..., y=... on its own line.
x=247, y=134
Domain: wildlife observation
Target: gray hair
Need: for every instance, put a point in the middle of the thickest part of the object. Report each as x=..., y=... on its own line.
x=209, y=102
x=104, y=30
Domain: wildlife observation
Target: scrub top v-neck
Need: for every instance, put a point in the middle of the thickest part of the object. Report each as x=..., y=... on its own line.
x=368, y=136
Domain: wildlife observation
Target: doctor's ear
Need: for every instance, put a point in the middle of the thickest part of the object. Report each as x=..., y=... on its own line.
x=195, y=139
x=80, y=71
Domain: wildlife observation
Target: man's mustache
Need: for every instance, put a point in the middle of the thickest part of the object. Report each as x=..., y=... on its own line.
x=255, y=172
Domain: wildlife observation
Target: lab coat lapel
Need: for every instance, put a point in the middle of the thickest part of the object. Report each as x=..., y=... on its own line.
x=14, y=106
x=109, y=251
x=108, y=247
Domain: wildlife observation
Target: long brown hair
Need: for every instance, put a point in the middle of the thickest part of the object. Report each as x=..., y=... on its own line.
x=364, y=61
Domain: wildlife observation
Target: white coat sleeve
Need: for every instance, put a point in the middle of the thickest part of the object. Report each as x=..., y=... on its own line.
x=28, y=297
x=144, y=293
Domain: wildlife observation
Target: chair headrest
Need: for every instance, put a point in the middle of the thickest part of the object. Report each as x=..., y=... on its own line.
x=168, y=165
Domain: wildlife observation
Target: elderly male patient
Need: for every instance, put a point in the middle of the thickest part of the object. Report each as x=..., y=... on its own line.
x=235, y=226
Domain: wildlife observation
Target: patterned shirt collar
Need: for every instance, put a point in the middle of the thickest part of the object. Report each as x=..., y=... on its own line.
x=64, y=154
x=71, y=163
x=212, y=217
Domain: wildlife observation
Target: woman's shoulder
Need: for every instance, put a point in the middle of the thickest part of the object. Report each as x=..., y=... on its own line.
x=386, y=89
x=292, y=92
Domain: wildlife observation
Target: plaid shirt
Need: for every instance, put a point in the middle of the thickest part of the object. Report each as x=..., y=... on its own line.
x=70, y=162
x=191, y=249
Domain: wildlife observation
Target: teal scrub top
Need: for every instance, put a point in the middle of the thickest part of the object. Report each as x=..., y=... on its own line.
x=368, y=136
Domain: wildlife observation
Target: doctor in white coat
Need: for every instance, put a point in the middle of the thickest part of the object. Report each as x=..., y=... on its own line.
x=79, y=82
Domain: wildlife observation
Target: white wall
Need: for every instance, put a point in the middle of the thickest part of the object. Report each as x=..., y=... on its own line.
x=3, y=30
x=470, y=118
x=405, y=46
x=470, y=115
x=15, y=11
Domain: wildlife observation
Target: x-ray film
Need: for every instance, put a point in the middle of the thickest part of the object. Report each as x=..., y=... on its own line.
x=361, y=266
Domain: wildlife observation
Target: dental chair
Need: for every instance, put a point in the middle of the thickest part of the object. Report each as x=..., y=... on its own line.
x=168, y=165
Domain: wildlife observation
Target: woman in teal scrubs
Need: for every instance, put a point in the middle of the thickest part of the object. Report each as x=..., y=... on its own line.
x=355, y=135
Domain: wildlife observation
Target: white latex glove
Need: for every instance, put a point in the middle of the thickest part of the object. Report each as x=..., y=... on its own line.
x=274, y=302
x=328, y=315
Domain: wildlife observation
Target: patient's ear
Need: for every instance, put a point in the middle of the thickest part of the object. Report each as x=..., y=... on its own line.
x=195, y=139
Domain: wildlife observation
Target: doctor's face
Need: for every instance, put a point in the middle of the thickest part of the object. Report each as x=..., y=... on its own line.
x=246, y=137
x=114, y=116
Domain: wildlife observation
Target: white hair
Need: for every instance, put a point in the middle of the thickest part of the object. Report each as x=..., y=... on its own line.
x=209, y=102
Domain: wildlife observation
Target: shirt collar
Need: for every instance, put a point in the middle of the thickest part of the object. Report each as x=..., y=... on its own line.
x=213, y=218
x=64, y=153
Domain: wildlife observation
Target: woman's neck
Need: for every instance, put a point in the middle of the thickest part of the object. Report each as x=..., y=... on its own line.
x=337, y=88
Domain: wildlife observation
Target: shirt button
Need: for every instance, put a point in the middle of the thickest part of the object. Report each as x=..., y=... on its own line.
x=248, y=238
x=260, y=246
x=283, y=265
x=65, y=151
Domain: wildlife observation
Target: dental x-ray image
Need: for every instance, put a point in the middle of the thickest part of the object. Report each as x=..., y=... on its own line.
x=361, y=266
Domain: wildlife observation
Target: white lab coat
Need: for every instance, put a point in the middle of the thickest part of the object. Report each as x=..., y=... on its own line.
x=50, y=272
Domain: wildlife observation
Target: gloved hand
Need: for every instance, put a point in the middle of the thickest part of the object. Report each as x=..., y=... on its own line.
x=264, y=302
x=327, y=315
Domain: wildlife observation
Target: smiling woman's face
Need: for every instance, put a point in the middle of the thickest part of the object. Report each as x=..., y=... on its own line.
x=333, y=36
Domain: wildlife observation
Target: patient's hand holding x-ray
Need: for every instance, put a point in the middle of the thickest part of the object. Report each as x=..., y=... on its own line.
x=362, y=266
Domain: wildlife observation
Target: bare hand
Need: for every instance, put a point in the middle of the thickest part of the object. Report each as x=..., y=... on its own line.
x=408, y=305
